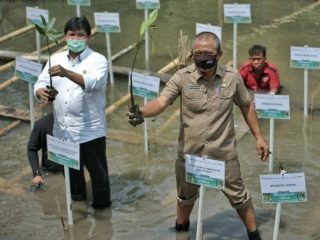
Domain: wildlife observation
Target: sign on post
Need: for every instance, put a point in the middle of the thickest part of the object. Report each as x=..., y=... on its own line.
x=208, y=28
x=144, y=85
x=237, y=13
x=79, y=2
x=64, y=152
x=204, y=171
x=107, y=22
x=27, y=70
x=272, y=106
x=33, y=15
x=279, y=188
x=305, y=57
x=148, y=4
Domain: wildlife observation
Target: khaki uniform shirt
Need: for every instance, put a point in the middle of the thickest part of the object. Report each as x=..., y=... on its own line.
x=207, y=125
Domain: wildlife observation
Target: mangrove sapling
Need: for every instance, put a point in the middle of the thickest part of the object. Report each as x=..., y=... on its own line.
x=136, y=116
x=46, y=29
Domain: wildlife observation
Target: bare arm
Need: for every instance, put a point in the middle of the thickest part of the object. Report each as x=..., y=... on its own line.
x=250, y=116
x=155, y=107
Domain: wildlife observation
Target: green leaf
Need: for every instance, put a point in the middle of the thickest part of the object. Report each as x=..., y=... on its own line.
x=41, y=30
x=149, y=24
x=152, y=17
x=53, y=31
x=51, y=23
x=54, y=37
x=44, y=22
x=143, y=29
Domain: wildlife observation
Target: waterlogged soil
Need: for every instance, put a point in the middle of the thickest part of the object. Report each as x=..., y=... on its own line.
x=143, y=184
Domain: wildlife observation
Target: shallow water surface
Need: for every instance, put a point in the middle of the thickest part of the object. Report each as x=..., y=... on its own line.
x=143, y=184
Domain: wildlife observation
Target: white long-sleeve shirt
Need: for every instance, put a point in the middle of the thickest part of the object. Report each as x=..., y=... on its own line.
x=79, y=114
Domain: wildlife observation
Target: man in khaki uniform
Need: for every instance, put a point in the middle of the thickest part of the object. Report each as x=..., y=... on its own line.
x=208, y=91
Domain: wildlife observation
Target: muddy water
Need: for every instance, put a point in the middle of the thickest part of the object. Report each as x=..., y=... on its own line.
x=143, y=184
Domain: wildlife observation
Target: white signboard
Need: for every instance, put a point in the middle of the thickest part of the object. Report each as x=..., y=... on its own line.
x=148, y=4
x=208, y=28
x=107, y=22
x=206, y=172
x=64, y=152
x=27, y=70
x=272, y=106
x=79, y=2
x=237, y=13
x=145, y=86
x=33, y=15
x=290, y=187
x=305, y=57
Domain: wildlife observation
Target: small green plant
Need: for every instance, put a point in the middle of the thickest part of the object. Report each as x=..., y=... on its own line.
x=136, y=117
x=46, y=29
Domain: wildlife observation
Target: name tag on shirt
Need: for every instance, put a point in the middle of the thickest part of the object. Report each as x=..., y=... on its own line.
x=193, y=87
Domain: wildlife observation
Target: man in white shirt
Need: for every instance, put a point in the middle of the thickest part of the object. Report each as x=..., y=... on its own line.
x=80, y=77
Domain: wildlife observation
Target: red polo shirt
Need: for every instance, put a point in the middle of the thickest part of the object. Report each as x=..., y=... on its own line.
x=269, y=79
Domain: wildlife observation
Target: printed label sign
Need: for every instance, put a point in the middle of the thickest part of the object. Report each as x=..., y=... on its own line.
x=27, y=70
x=33, y=15
x=79, y=2
x=145, y=86
x=148, y=4
x=206, y=172
x=290, y=187
x=64, y=152
x=272, y=106
x=107, y=22
x=237, y=13
x=305, y=57
x=208, y=28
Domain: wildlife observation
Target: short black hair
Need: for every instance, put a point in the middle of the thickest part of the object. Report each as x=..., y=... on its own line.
x=78, y=23
x=206, y=35
x=257, y=50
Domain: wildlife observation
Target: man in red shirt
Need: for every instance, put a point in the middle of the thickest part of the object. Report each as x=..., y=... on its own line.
x=258, y=74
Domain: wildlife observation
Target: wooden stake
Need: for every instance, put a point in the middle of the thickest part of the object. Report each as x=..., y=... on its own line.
x=7, y=128
x=8, y=82
x=16, y=33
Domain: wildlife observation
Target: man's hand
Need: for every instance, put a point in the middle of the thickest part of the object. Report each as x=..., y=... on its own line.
x=37, y=180
x=135, y=116
x=262, y=148
x=57, y=70
x=43, y=94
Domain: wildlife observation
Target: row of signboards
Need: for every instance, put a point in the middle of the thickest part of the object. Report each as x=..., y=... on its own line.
x=300, y=57
x=275, y=188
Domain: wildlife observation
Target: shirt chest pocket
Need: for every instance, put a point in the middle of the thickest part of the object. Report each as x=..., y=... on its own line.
x=193, y=100
x=225, y=100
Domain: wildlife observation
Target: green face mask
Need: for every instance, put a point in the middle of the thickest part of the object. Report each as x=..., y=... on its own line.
x=76, y=46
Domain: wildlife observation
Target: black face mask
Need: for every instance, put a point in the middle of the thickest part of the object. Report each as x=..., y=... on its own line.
x=205, y=61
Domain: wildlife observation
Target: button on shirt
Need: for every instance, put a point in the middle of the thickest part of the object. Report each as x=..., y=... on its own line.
x=79, y=112
x=207, y=125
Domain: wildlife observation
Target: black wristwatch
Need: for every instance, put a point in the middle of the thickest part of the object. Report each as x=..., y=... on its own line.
x=37, y=173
